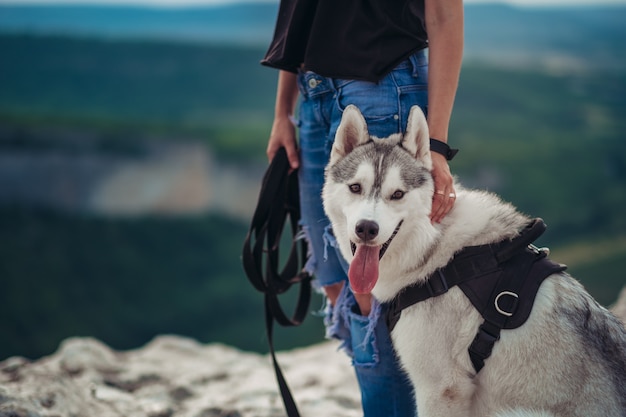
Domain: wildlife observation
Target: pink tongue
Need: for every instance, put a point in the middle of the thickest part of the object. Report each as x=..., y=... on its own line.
x=363, y=272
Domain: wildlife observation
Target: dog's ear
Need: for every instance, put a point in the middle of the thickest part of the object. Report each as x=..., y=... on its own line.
x=352, y=132
x=416, y=140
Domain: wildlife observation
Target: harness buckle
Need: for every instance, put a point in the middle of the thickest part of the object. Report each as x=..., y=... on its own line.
x=544, y=251
x=437, y=284
x=512, y=306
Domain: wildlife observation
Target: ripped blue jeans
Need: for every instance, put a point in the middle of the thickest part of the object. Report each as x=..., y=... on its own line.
x=385, y=388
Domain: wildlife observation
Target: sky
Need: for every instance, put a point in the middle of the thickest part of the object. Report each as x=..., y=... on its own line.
x=178, y=3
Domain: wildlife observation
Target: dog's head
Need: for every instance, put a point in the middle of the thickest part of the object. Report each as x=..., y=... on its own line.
x=375, y=191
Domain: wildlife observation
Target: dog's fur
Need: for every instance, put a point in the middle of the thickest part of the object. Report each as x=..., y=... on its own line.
x=568, y=359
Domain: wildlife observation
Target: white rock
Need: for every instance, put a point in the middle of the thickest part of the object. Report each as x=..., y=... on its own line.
x=178, y=377
x=175, y=377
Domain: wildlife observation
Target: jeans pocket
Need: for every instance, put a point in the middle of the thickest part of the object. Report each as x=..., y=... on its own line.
x=374, y=100
x=379, y=103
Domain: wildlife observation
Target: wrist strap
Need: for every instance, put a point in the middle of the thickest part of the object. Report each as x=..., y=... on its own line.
x=442, y=148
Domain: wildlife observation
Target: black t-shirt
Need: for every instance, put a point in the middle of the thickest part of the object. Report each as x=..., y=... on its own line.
x=354, y=39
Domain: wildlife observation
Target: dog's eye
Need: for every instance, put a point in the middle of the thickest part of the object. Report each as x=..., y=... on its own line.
x=397, y=195
x=355, y=188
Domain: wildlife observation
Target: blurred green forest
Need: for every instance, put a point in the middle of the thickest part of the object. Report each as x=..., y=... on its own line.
x=549, y=141
x=126, y=280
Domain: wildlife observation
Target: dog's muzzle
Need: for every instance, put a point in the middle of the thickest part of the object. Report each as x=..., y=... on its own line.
x=385, y=245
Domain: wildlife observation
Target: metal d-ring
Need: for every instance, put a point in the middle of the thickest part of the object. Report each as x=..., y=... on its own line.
x=504, y=313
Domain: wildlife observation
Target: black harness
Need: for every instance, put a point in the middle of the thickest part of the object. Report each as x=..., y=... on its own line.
x=501, y=280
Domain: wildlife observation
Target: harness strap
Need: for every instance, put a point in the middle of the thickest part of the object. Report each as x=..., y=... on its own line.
x=511, y=301
x=502, y=304
x=471, y=263
x=501, y=280
x=277, y=206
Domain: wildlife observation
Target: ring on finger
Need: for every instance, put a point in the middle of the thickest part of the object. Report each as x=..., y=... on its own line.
x=452, y=195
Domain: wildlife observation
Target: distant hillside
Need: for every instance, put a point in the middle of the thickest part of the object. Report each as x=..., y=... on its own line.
x=563, y=37
x=143, y=83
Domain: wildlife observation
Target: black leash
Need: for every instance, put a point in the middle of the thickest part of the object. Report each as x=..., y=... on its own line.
x=278, y=204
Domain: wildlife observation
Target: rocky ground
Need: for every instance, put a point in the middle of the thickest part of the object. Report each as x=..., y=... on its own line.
x=174, y=376
x=179, y=377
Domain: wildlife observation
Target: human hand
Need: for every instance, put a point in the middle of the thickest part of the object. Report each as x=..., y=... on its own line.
x=283, y=135
x=444, y=196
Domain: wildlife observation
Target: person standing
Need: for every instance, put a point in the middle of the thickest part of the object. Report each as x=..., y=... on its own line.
x=384, y=56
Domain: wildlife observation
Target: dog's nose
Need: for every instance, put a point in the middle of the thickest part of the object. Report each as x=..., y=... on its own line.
x=366, y=230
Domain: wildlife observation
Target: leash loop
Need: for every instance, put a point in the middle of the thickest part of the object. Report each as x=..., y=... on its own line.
x=278, y=205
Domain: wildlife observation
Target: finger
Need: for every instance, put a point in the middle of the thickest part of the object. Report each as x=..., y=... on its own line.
x=437, y=207
x=292, y=155
x=290, y=148
x=443, y=201
x=439, y=213
x=449, y=201
x=271, y=152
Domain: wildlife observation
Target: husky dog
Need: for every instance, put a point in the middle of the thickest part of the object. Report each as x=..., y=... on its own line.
x=568, y=359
